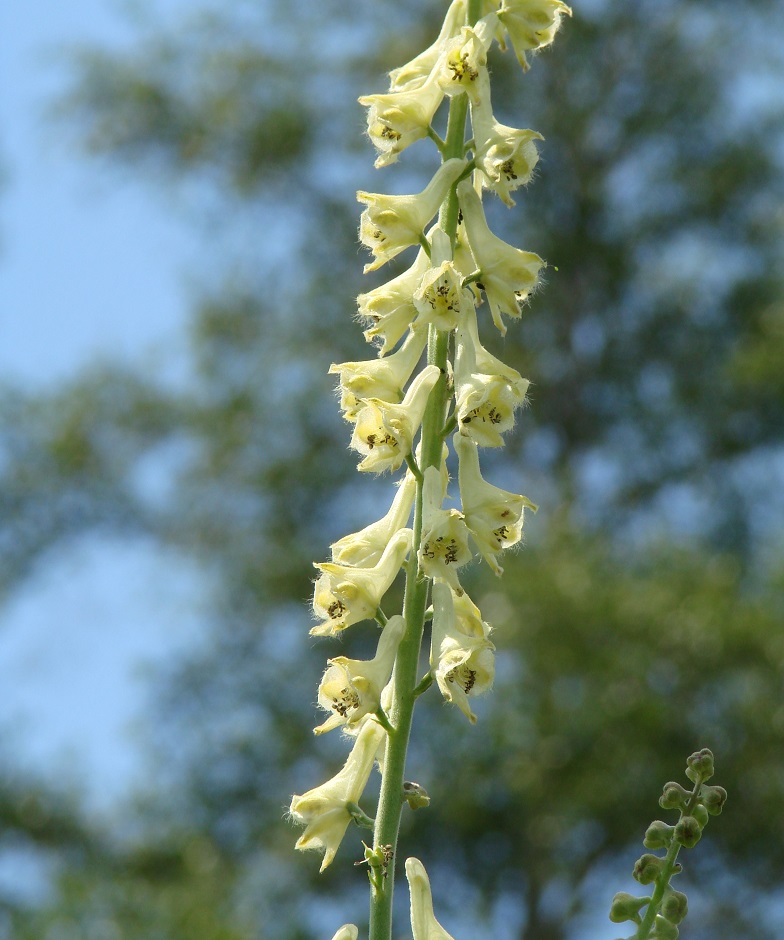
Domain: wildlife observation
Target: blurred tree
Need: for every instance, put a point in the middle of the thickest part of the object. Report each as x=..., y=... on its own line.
x=655, y=347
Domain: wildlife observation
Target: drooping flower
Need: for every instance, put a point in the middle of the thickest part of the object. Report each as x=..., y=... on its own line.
x=322, y=810
x=494, y=517
x=444, y=546
x=416, y=72
x=384, y=433
x=364, y=548
x=440, y=298
x=345, y=595
x=351, y=688
x=390, y=224
x=390, y=308
x=531, y=24
x=396, y=119
x=485, y=401
x=461, y=654
x=507, y=274
x=423, y=920
x=465, y=58
x=378, y=378
x=505, y=155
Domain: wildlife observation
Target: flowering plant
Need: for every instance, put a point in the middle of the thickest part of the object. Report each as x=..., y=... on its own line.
x=431, y=400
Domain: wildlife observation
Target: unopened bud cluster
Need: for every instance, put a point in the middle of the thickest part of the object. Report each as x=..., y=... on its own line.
x=666, y=907
x=431, y=384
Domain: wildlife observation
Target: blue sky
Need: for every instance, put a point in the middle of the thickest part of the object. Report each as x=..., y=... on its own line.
x=89, y=268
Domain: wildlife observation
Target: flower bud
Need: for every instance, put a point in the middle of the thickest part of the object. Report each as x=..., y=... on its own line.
x=663, y=929
x=626, y=907
x=699, y=766
x=701, y=815
x=647, y=868
x=658, y=835
x=674, y=907
x=674, y=796
x=688, y=831
x=415, y=795
x=713, y=799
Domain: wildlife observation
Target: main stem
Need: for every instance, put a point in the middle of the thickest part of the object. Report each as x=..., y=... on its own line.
x=406, y=674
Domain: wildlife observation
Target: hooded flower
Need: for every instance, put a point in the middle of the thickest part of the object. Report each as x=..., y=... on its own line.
x=390, y=308
x=465, y=58
x=461, y=655
x=391, y=224
x=440, y=298
x=378, y=378
x=364, y=548
x=397, y=119
x=416, y=72
x=423, y=921
x=531, y=24
x=444, y=547
x=323, y=810
x=493, y=516
x=485, y=401
x=384, y=432
x=346, y=595
x=507, y=274
x=351, y=688
x=505, y=155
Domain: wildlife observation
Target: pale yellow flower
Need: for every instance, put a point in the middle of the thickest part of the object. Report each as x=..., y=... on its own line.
x=487, y=394
x=494, y=517
x=390, y=224
x=507, y=274
x=384, y=433
x=322, y=810
x=351, y=688
x=440, y=299
x=531, y=24
x=396, y=119
x=344, y=595
x=461, y=654
x=423, y=920
x=390, y=308
x=364, y=548
x=416, y=72
x=444, y=546
x=378, y=378
x=506, y=156
x=465, y=58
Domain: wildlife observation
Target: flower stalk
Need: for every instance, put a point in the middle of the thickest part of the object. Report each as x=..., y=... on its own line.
x=460, y=389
